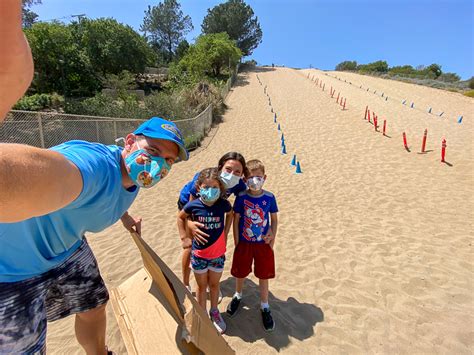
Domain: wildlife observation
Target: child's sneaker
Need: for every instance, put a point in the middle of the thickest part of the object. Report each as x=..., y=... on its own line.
x=267, y=320
x=217, y=320
x=233, y=306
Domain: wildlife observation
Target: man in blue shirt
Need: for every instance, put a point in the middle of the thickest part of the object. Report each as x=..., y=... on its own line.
x=49, y=198
x=47, y=270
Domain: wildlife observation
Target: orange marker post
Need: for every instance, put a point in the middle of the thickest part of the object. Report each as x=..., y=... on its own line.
x=423, y=144
x=443, y=151
x=337, y=100
x=384, y=126
x=405, y=141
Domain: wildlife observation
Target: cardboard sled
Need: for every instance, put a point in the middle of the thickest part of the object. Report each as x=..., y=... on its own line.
x=158, y=315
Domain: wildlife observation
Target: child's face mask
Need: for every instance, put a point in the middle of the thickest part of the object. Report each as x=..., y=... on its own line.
x=255, y=183
x=209, y=194
x=144, y=169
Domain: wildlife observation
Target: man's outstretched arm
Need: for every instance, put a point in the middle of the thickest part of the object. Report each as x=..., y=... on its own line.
x=34, y=182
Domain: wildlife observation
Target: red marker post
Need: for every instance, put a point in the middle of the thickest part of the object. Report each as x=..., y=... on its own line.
x=423, y=144
x=405, y=141
x=337, y=100
x=344, y=107
x=375, y=123
x=443, y=151
x=366, y=109
x=384, y=126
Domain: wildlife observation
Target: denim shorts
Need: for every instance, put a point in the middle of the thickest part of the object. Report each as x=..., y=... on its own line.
x=74, y=286
x=201, y=265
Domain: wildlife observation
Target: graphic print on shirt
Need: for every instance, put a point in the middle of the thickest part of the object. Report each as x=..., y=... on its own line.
x=254, y=221
x=210, y=222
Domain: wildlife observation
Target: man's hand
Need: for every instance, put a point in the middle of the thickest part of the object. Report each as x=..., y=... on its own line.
x=197, y=233
x=132, y=224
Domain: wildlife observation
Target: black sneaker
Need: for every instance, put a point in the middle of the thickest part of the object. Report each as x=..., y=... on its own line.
x=233, y=306
x=267, y=320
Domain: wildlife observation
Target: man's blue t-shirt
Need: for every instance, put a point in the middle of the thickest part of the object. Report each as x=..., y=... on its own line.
x=190, y=189
x=36, y=245
x=211, y=216
x=254, y=215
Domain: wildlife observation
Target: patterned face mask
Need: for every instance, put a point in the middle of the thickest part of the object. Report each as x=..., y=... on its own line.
x=144, y=169
x=255, y=183
x=209, y=194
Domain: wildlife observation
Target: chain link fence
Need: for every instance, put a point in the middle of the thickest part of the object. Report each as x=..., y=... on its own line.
x=47, y=129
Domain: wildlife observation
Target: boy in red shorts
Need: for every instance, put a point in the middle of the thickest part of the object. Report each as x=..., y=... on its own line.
x=255, y=228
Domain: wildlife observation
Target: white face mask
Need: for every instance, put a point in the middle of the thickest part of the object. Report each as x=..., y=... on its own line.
x=229, y=180
x=255, y=183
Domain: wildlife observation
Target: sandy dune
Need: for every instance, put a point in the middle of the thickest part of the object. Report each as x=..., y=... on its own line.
x=374, y=250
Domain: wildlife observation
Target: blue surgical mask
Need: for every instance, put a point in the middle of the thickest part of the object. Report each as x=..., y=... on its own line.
x=144, y=169
x=209, y=194
x=229, y=180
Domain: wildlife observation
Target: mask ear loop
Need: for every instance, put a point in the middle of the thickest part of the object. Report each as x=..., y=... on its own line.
x=120, y=140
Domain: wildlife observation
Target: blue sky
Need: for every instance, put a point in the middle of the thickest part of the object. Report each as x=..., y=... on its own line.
x=323, y=33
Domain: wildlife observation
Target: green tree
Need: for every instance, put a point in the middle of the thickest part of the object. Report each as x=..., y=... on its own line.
x=435, y=69
x=237, y=19
x=347, y=65
x=181, y=50
x=112, y=47
x=29, y=17
x=60, y=64
x=379, y=66
x=165, y=26
x=210, y=54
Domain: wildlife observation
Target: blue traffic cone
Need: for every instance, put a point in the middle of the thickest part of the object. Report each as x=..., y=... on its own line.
x=283, y=148
x=279, y=127
x=282, y=137
x=293, y=161
x=460, y=119
x=298, y=168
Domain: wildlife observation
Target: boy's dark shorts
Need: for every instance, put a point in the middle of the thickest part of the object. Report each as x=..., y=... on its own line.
x=180, y=205
x=74, y=286
x=260, y=254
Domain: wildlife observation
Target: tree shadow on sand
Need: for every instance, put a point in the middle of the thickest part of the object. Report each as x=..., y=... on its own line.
x=292, y=318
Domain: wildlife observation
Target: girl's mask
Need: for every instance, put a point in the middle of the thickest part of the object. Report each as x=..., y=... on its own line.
x=255, y=183
x=209, y=194
x=229, y=179
x=144, y=169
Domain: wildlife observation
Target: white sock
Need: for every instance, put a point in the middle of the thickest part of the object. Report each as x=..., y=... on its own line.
x=238, y=295
x=264, y=305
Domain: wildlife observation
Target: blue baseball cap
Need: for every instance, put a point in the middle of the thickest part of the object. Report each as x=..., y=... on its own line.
x=159, y=128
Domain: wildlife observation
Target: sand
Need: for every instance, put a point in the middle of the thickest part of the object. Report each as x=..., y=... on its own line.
x=374, y=248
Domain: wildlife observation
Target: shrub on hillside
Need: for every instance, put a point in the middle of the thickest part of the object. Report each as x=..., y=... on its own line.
x=39, y=102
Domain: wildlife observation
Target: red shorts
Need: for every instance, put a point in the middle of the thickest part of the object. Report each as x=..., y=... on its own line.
x=259, y=253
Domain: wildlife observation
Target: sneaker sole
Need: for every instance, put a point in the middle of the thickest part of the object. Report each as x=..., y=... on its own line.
x=270, y=330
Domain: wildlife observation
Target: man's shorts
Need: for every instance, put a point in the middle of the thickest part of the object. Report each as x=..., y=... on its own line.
x=74, y=286
x=260, y=254
x=201, y=265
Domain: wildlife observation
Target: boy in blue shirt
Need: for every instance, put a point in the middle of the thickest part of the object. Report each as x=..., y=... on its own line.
x=255, y=229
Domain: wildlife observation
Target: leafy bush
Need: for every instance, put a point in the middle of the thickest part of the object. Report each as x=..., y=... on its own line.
x=39, y=102
x=347, y=65
x=471, y=83
x=469, y=93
